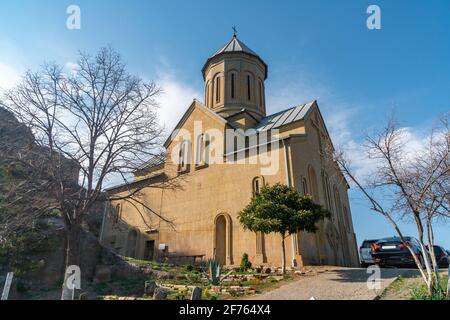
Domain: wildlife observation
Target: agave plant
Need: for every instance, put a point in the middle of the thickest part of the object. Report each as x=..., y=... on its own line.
x=214, y=272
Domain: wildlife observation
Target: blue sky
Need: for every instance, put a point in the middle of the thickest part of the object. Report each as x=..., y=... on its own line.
x=315, y=50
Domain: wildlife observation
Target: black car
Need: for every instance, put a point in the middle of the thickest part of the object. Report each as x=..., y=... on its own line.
x=392, y=252
x=442, y=257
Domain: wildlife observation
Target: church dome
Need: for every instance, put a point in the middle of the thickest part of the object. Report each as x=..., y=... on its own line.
x=234, y=46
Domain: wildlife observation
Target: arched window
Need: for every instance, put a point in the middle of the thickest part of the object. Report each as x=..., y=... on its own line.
x=337, y=202
x=217, y=89
x=199, y=150
x=118, y=214
x=232, y=86
x=257, y=184
x=202, y=150
x=326, y=190
x=207, y=94
x=211, y=94
x=184, y=157
x=305, y=186
x=313, y=184
x=261, y=94
x=249, y=85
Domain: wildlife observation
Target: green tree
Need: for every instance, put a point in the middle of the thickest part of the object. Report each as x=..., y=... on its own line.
x=281, y=209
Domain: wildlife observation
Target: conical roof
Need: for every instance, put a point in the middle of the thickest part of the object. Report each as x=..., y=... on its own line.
x=234, y=45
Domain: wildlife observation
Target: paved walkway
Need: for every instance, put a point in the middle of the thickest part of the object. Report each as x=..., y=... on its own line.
x=336, y=284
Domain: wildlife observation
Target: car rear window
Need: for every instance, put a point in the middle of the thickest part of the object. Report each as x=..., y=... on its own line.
x=437, y=250
x=390, y=242
x=368, y=243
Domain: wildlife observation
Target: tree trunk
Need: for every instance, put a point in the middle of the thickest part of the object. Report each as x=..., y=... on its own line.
x=430, y=238
x=283, y=258
x=72, y=256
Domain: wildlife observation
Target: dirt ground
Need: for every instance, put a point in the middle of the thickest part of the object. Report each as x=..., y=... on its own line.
x=334, y=284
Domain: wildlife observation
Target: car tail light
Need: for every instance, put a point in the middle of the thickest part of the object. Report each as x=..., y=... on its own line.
x=403, y=245
x=375, y=247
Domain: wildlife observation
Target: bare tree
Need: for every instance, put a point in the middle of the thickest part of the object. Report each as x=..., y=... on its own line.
x=417, y=185
x=92, y=123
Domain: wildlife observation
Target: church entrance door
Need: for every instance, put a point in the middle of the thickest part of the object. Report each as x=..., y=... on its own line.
x=221, y=240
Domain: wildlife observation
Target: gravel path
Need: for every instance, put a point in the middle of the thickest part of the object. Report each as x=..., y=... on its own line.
x=337, y=284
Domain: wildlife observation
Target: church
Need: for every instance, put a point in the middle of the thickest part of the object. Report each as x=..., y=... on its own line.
x=221, y=152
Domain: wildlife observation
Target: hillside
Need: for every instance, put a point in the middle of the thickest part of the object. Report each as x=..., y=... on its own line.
x=31, y=245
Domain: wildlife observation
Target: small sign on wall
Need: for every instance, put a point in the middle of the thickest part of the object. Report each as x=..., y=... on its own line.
x=163, y=246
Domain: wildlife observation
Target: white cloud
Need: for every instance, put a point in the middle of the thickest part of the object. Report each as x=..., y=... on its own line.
x=71, y=67
x=174, y=100
x=340, y=117
x=9, y=76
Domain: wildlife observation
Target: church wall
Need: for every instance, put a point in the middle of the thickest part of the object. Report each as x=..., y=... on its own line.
x=205, y=193
x=201, y=197
x=305, y=154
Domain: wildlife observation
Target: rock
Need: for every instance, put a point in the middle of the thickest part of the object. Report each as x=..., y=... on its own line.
x=91, y=249
x=196, y=294
x=108, y=257
x=102, y=273
x=277, y=278
x=147, y=271
x=123, y=269
x=163, y=275
x=160, y=294
x=83, y=296
x=267, y=270
x=180, y=286
x=149, y=287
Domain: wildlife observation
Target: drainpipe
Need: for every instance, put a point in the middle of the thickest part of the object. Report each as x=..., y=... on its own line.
x=289, y=184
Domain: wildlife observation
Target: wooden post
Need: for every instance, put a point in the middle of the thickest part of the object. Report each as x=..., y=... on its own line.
x=7, y=286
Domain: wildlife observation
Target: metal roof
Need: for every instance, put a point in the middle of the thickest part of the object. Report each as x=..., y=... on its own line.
x=282, y=118
x=153, y=162
x=235, y=45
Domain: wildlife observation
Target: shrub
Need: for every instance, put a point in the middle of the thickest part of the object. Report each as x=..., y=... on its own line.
x=254, y=282
x=181, y=294
x=206, y=293
x=245, y=263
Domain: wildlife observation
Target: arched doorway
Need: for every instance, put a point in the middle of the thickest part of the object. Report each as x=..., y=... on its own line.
x=222, y=239
x=131, y=243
